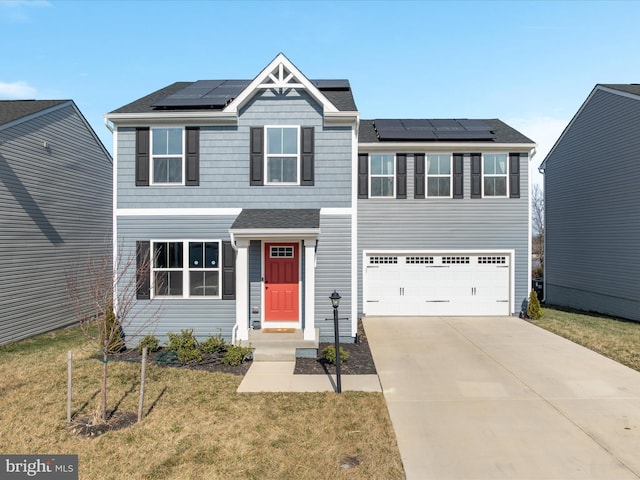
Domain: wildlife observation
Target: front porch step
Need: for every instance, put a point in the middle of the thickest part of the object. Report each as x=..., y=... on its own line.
x=281, y=347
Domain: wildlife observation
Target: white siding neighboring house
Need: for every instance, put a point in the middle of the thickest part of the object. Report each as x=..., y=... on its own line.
x=55, y=211
x=592, y=203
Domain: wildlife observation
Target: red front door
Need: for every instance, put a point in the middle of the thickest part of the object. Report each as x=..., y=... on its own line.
x=281, y=273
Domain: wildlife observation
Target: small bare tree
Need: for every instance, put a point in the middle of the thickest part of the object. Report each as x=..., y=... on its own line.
x=103, y=295
x=537, y=223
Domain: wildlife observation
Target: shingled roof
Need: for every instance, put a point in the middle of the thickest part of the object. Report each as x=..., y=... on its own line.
x=11, y=110
x=342, y=98
x=633, y=88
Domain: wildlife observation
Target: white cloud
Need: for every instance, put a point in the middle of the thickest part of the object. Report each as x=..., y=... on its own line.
x=17, y=10
x=16, y=90
x=544, y=131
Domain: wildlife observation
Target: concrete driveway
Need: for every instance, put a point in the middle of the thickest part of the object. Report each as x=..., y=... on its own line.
x=497, y=397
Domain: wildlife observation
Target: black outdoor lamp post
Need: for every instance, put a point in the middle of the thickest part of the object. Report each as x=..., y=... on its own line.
x=335, y=301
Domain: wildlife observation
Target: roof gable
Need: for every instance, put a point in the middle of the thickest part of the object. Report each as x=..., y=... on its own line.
x=13, y=110
x=280, y=75
x=631, y=91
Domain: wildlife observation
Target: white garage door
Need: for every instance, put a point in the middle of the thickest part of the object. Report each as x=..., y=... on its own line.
x=442, y=284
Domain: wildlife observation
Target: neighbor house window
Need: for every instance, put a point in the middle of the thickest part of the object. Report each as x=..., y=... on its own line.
x=438, y=175
x=167, y=155
x=382, y=176
x=282, y=155
x=186, y=269
x=494, y=175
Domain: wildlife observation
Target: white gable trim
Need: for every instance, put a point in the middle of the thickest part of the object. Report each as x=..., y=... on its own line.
x=280, y=74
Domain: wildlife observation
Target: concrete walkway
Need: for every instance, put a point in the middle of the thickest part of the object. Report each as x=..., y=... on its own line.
x=498, y=398
x=279, y=377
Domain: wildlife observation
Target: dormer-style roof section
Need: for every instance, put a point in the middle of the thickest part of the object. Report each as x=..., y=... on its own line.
x=13, y=110
x=489, y=131
x=220, y=101
x=281, y=75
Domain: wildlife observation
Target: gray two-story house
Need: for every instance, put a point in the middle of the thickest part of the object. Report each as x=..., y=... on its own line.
x=592, y=206
x=254, y=200
x=55, y=214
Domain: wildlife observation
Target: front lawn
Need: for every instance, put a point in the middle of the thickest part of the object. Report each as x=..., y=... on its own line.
x=196, y=427
x=612, y=337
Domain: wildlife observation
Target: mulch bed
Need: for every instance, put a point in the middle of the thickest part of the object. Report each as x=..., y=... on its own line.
x=360, y=361
x=211, y=362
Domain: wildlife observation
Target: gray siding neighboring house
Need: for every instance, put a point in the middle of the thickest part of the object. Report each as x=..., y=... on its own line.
x=55, y=204
x=268, y=174
x=592, y=206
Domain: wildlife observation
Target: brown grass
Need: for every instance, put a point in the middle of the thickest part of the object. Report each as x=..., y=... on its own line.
x=612, y=337
x=198, y=427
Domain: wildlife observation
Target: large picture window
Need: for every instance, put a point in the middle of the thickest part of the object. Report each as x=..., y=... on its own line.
x=186, y=269
x=495, y=175
x=282, y=155
x=438, y=175
x=382, y=176
x=167, y=155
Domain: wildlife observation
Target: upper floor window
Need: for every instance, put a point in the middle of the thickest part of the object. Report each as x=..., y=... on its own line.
x=282, y=155
x=382, y=175
x=186, y=269
x=495, y=175
x=438, y=175
x=167, y=159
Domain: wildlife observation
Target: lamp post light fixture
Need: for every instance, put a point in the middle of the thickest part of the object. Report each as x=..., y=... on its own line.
x=335, y=302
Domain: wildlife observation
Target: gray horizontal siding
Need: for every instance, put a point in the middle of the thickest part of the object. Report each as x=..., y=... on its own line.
x=449, y=224
x=55, y=214
x=333, y=272
x=224, y=163
x=592, y=210
x=205, y=317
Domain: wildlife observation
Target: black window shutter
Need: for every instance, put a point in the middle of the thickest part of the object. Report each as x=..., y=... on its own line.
x=418, y=169
x=401, y=175
x=363, y=175
x=143, y=270
x=228, y=272
x=476, y=175
x=193, y=157
x=307, y=155
x=458, y=175
x=142, y=157
x=514, y=175
x=257, y=156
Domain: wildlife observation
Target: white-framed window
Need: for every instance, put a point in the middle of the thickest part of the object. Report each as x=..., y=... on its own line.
x=283, y=155
x=167, y=156
x=382, y=178
x=495, y=175
x=186, y=268
x=439, y=167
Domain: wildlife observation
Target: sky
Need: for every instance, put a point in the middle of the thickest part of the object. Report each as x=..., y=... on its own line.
x=529, y=63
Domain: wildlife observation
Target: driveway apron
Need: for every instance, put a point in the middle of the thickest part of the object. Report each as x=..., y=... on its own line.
x=499, y=398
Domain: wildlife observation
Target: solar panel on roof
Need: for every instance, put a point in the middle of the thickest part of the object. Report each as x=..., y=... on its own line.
x=331, y=84
x=204, y=93
x=432, y=129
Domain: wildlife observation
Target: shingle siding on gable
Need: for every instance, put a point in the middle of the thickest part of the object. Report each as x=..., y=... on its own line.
x=224, y=164
x=456, y=224
x=55, y=211
x=592, y=210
